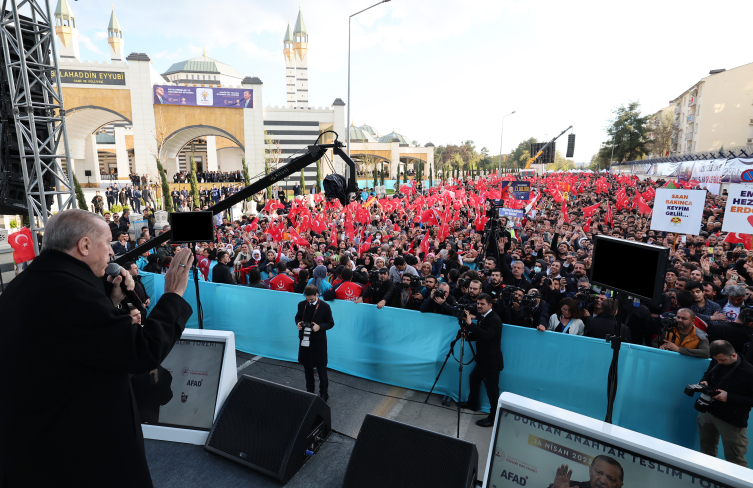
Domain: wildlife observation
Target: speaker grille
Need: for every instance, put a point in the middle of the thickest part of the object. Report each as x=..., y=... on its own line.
x=261, y=439
x=388, y=453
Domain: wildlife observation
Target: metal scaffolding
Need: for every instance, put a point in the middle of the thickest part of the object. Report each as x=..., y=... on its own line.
x=35, y=102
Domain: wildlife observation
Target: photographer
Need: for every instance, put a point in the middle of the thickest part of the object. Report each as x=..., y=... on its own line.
x=680, y=335
x=489, y=362
x=440, y=301
x=400, y=268
x=407, y=294
x=731, y=375
x=313, y=320
x=380, y=288
x=494, y=286
x=532, y=311
x=474, y=290
x=603, y=324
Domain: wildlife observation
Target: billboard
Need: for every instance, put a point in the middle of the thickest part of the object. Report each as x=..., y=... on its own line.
x=202, y=96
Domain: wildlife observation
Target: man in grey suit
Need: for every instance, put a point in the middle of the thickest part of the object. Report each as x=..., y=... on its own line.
x=248, y=102
x=159, y=92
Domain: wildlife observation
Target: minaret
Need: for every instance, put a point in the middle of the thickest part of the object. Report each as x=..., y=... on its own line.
x=115, y=38
x=65, y=28
x=301, y=47
x=289, y=67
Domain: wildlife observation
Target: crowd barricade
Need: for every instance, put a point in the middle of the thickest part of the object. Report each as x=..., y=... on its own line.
x=406, y=348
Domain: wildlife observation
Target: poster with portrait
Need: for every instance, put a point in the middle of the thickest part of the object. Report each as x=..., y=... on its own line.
x=679, y=211
x=203, y=96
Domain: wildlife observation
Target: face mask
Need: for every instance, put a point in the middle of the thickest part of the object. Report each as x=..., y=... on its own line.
x=537, y=269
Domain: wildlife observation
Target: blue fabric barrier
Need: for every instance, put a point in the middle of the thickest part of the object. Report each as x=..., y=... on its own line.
x=406, y=348
x=388, y=184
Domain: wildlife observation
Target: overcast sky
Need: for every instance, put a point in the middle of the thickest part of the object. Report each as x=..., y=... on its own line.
x=445, y=71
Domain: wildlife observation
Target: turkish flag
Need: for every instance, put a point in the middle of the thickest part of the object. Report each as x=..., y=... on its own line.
x=565, y=216
x=365, y=246
x=735, y=238
x=429, y=218
x=643, y=208
x=589, y=211
x=22, y=244
x=425, y=243
x=587, y=227
x=608, y=217
x=296, y=237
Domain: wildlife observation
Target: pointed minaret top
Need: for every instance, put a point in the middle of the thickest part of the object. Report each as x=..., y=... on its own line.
x=64, y=12
x=288, y=36
x=114, y=25
x=300, y=26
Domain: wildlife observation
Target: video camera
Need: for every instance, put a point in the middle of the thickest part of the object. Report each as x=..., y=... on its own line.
x=508, y=293
x=586, y=294
x=703, y=402
x=464, y=283
x=458, y=311
x=530, y=301
x=415, y=283
x=374, y=281
x=669, y=320
x=439, y=293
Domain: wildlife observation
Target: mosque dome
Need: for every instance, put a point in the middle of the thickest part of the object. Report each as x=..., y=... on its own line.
x=394, y=135
x=370, y=130
x=357, y=134
x=202, y=68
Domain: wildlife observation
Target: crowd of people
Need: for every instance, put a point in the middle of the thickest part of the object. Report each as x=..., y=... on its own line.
x=209, y=177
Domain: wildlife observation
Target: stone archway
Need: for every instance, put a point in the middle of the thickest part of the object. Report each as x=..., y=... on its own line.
x=176, y=141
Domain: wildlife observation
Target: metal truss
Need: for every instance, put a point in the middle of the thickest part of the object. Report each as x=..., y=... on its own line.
x=36, y=103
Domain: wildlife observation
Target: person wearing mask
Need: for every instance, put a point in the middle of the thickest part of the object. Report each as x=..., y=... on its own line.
x=487, y=333
x=684, y=337
x=221, y=272
x=381, y=294
x=566, y=319
x=603, y=324
x=727, y=417
x=313, y=320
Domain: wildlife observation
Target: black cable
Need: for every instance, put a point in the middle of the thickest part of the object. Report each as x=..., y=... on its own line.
x=372, y=392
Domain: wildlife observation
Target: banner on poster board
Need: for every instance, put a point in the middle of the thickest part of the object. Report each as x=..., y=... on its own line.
x=738, y=214
x=511, y=213
x=679, y=211
x=203, y=96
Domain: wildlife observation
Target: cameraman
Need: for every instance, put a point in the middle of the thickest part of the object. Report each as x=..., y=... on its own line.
x=474, y=290
x=727, y=416
x=400, y=268
x=407, y=294
x=314, y=319
x=440, y=301
x=683, y=337
x=430, y=284
x=494, y=286
x=531, y=306
x=489, y=362
x=380, y=291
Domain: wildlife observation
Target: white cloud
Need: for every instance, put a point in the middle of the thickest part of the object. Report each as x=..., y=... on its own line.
x=86, y=41
x=99, y=35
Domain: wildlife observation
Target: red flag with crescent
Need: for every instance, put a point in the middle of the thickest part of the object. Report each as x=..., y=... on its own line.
x=22, y=244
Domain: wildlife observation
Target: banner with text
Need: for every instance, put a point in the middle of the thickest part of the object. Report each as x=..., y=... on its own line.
x=738, y=214
x=678, y=211
x=202, y=96
x=519, y=190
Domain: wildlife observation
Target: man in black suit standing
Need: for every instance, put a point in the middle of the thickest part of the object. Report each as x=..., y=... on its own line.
x=88, y=350
x=488, y=336
x=314, y=319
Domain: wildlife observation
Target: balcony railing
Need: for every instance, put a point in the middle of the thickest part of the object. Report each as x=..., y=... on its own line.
x=692, y=101
x=691, y=118
x=689, y=136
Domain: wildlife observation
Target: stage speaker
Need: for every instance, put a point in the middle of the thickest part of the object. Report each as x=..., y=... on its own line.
x=389, y=453
x=87, y=172
x=570, y=146
x=269, y=427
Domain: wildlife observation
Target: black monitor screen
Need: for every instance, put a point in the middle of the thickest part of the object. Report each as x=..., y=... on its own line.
x=182, y=391
x=192, y=226
x=615, y=262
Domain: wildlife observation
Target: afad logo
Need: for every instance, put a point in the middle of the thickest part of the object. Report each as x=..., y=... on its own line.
x=747, y=175
x=183, y=397
x=514, y=478
x=194, y=382
x=184, y=372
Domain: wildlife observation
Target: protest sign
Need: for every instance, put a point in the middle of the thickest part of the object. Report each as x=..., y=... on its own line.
x=678, y=210
x=738, y=214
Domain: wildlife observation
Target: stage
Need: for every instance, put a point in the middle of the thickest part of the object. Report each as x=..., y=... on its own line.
x=351, y=398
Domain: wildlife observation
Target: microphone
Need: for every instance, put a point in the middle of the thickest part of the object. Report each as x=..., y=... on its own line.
x=113, y=270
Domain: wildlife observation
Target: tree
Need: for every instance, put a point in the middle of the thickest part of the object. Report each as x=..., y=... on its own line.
x=660, y=127
x=521, y=154
x=194, y=184
x=80, y=199
x=560, y=163
x=627, y=131
x=405, y=172
x=319, y=176
x=302, y=183
x=431, y=178
x=272, y=157
x=246, y=182
x=381, y=178
x=167, y=201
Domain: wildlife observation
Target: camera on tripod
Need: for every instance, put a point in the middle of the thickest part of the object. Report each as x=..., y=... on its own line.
x=508, y=293
x=458, y=311
x=703, y=402
x=669, y=320
x=415, y=284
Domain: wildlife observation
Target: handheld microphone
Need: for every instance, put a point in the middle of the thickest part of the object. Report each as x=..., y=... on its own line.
x=113, y=270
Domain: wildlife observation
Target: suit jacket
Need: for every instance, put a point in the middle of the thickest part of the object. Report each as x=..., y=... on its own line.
x=488, y=336
x=221, y=274
x=85, y=350
x=119, y=248
x=316, y=353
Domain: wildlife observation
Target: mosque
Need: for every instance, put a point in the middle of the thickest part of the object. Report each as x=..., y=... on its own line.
x=122, y=113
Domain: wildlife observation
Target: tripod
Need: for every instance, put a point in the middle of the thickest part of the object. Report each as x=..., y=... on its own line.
x=461, y=338
x=491, y=240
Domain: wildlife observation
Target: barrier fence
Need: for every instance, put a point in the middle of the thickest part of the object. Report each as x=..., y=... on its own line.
x=406, y=348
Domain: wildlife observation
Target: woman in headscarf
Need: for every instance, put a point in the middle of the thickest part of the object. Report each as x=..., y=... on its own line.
x=320, y=280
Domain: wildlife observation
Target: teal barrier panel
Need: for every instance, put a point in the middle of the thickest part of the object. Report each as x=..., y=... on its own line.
x=388, y=184
x=406, y=348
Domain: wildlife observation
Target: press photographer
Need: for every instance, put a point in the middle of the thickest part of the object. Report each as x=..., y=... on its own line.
x=87, y=350
x=727, y=397
x=532, y=311
x=678, y=334
x=494, y=286
x=440, y=301
x=407, y=293
x=380, y=288
x=489, y=362
x=313, y=320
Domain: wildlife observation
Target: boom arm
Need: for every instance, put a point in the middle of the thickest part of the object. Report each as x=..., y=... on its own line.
x=541, y=151
x=314, y=153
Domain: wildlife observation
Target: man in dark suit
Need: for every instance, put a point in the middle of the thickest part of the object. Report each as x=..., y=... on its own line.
x=247, y=102
x=221, y=273
x=488, y=336
x=312, y=351
x=110, y=194
x=122, y=246
x=87, y=349
x=159, y=92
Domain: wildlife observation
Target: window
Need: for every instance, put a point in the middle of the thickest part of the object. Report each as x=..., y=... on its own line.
x=192, y=77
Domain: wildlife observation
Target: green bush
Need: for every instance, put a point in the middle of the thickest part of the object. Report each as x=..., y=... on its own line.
x=14, y=224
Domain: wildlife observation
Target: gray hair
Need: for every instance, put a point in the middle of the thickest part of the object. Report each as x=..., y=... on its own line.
x=518, y=262
x=74, y=225
x=735, y=291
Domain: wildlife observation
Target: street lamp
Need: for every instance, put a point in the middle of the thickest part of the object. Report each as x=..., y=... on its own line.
x=347, y=127
x=502, y=132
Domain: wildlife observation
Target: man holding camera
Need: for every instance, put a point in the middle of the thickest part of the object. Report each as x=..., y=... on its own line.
x=726, y=416
x=401, y=268
x=408, y=294
x=380, y=289
x=439, y=301
x=683, y=337
x=494, y=286
x=489, y=362
x=313, y=320
x=532, y=311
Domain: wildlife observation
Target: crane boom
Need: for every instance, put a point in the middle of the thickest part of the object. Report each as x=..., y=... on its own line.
x=541, y=151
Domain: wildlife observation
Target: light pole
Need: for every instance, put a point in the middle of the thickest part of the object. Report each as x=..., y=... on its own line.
x=502, y=132
x=347, y=127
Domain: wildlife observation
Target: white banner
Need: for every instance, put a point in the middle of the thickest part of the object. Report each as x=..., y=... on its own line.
x=709, y=174
x=738, y=214
x=678, y=211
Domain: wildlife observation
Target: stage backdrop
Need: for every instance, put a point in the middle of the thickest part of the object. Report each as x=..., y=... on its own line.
x=406, y=348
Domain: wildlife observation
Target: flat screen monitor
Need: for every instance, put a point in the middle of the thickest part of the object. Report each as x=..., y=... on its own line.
x=180, y=398
x=532, y=441
x=192, y=227
x=612, y=257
